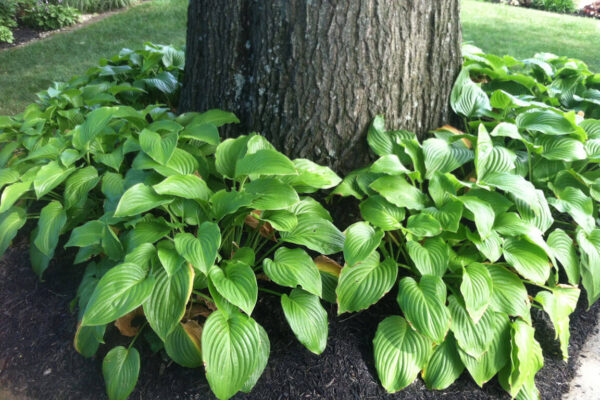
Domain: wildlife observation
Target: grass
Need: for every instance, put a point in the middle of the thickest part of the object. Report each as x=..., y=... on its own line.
x=522, y=32
x=26, y=70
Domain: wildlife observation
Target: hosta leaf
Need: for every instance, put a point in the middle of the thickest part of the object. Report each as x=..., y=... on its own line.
x=159, y=148
x=467, y=98
x=490, y=247
x=228, y=153
x=200, y=251
x=225, y=203
x=561, y=148
x=476, y=288
x=292, y=268
x=139, y=199
x=361, y=241
x=380, y=213
x=545, y=121
x=509, y=295
x=12, y=193
x=540, y=218
x=310, y=207
x=262, y=360
x=311, y=177
x=307, y=318
x=166, y=305
x=8, y=176
x=400, y=353
x=525, y=357
x=483, y=213
x=120, y=369
x=186, y=186
x=94, y=124
x=430, y=258
x=216, y=117
x=164, y=82
x=271, y=194
x=444, y=367
x=489, y=158
x=184, y=344
x=441, y=156
x=484, y=368
x=363, y=284
x=147, y=231
x=280, y=220
x=424, y=306
x=231, y=347
x=559, y=304
x=579, y=206
x=52, y=220
x=120, y=291
x=516, y=185
x=316, y=233
x=50, y=176
x=473, y=338
x=236, y=283
x=88, y=339
x=10, y=223
x=379, y=140
x=528, y=259
x=207, y=133
x=423, y=225
x=589, y=245
x=79, y=185
x=563, y=249
x=399, y=192
x=448, y=215
x=330, y=273
x=87, y=234
x=389, y=164
x=265, y=162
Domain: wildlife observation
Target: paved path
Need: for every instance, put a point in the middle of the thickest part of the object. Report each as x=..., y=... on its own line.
x=586, y=384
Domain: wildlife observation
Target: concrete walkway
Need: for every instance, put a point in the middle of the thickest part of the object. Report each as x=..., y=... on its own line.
x=586, y=384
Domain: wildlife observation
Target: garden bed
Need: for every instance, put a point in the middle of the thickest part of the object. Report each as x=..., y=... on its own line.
x=37, y=359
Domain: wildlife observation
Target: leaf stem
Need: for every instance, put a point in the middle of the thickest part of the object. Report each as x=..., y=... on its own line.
x=137, y=334
x=270, y=291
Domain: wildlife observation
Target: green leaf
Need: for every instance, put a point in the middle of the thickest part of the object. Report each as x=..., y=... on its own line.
x=265, y=162
x=444, y=367
x=528, y=259
x=563, y=249
x=231, y=352
x=423, y=225
x=559, y=304
x=10, y=223
x=400, y=353
x=579, y=206
x=476, y=288
x=225, y=203
x=184, y=344
x=271, y=194
x=483, y=368
x=441, y=156
x=561, y=148
x=200, y=251
x=307, y=318
x=517, y=186
x=483, y=213
x=431, y=257
x=589, y=245
x=50, y=176
x=79, y=185
x=379, y=140
x=545, y=121
x=88, y=339
x=380, y=213
x=159, y=148
x=216, y=117
x=424, y=306
x=280, y=220
x=169, y=257
x=292, y=268
x=398, y=191
x=263, y=358
x=228, y=153
x=448, y=215
x=8, y=176
x=509, y=295
x=363, y=284
x=361, y=241
x=316, y=233
x=186, y=186
x=489, y=158
x=94, y=124
x=120, y=368
x=139, y=199
x=166, y=305
x=120, y=291
x=12, y=193
x=87, y=234
x=473, y=338
x=236, y=283
x=52, y=220
x=311, y=177
x=525, y=357
x=467, y=98
x=207, y=133
x=390, y=165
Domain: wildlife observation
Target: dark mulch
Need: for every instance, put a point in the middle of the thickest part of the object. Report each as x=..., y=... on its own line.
x=37, y=360
x=22, y=35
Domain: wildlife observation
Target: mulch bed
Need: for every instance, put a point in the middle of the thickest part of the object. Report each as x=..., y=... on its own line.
x=22, y=35
x=37, y=359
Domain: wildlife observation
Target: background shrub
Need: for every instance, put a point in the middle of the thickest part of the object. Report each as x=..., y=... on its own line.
x=6, y=34
x=90, y=6
x=49, y=16
x=561, y=6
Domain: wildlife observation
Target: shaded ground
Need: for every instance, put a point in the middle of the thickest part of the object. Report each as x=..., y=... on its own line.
x=37, y=360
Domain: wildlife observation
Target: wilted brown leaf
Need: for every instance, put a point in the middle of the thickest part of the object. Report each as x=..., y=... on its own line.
x=328, y=265
x=126, y=325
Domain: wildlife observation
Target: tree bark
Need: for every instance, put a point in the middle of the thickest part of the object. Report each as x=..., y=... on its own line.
x=310, y=75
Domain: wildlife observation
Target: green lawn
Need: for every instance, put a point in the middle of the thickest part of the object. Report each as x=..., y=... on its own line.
x=495, y=28
x=26, y=70
x=522, y=32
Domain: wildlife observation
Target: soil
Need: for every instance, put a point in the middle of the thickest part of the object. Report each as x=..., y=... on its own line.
x=37, y=359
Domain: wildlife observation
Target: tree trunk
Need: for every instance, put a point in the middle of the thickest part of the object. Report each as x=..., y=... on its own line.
x=310, y=75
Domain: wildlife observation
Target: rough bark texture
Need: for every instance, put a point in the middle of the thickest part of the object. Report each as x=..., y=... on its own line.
x=311, y=74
